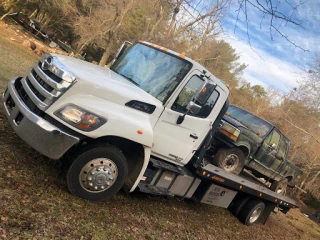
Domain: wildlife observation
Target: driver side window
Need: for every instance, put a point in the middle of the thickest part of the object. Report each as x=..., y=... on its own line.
x=273, y=138
x=283, y=149
x=187, y=94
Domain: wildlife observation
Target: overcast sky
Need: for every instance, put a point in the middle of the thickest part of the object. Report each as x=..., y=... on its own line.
x=275, y=63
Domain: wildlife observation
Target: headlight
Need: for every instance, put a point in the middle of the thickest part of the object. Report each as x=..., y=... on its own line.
x=230, y=131
x=80, y=118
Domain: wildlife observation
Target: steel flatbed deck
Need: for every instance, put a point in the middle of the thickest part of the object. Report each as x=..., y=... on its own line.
x=241, y=184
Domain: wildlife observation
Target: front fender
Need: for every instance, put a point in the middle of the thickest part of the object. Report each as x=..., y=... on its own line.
x=122, y=121
x=220, y=137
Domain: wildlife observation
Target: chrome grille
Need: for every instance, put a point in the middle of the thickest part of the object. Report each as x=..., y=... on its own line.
x=43, y=87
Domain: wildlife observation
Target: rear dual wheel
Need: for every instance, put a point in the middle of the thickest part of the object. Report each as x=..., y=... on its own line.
x=251, y=212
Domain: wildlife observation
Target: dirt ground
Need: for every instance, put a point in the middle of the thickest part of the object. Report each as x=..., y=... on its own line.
x=35, y=203
x=17, y=34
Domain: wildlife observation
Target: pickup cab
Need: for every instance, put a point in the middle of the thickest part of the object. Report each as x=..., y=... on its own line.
x=245, y=140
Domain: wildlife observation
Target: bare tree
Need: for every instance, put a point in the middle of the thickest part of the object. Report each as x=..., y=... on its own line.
x=11, y=6
x=270, y=10
x=95, y=24
x=197, y=19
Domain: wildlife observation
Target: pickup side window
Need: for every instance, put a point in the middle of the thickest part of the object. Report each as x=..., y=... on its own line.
x=284, y=144
x=273, y=138
x=188, y=93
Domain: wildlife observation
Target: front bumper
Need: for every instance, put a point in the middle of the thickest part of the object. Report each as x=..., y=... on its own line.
x=34, y=130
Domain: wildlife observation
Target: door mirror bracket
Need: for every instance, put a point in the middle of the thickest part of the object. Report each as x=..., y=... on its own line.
x=191, y=107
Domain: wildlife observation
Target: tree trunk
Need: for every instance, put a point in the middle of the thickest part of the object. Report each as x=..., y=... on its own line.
x=4, y=15
x=173, y=20
x=150, y=35
x=313, y=179
x=34, y=14
x=9, y=9
x=80, y=48
x=105, y=55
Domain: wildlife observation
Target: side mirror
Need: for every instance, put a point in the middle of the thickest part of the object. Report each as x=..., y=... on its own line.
x=193, y=108
x=205, y=92
x=125, y=46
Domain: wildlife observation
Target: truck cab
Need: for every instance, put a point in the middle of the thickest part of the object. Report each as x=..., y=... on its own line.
x=152, y=102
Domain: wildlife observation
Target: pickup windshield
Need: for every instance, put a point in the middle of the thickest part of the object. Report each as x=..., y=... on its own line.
x=254, y=123
x=156, y=72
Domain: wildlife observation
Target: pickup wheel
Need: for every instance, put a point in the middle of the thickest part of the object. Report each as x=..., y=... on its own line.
x=230, y=160
x=280, y=187
x=251, y=212
x=97, y=173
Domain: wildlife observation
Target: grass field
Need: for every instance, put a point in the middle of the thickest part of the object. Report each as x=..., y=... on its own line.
x=35, y=203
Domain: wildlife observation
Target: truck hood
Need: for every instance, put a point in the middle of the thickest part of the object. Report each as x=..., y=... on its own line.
x=104, y=83
x=233, y=121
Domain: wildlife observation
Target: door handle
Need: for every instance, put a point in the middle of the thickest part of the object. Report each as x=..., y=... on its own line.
x=193, y=135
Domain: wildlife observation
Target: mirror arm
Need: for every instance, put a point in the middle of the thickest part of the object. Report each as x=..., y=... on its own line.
x=181, y=117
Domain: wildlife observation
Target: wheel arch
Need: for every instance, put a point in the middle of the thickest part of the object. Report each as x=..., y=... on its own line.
x=289, y=178
x=136, y=154
x=291, y=181
x=245, y=150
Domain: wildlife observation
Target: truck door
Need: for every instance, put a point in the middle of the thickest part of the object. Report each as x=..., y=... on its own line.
x=266, y=155
x=279, y=164
x=177, y=142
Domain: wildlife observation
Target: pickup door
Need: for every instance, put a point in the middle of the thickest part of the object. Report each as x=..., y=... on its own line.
x=270, y=159
x=177, y=142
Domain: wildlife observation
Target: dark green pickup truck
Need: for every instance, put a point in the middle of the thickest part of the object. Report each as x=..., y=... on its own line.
x=247, y=141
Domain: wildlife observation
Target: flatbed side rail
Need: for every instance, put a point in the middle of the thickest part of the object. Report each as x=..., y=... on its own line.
x=238, y=183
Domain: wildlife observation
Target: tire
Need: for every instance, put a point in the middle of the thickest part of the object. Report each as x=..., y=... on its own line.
x=280, y=187
x=230, y=160
x=251, y=212
x=97, y=173
x=237, y=204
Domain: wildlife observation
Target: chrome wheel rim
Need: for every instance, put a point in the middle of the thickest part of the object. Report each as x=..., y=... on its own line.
x=98, y=175
x=230, y=162
x=255, y=215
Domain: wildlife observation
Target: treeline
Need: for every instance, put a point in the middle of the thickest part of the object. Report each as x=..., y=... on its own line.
x=190, y=27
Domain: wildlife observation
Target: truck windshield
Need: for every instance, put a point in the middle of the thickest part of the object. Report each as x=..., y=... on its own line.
x=255, y=123
x=156, y=72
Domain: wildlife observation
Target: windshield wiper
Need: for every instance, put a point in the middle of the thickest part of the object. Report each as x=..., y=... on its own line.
x=135, y=83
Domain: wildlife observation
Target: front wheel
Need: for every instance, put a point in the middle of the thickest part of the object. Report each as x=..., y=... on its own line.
x=97, y=173
x=230, y=160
